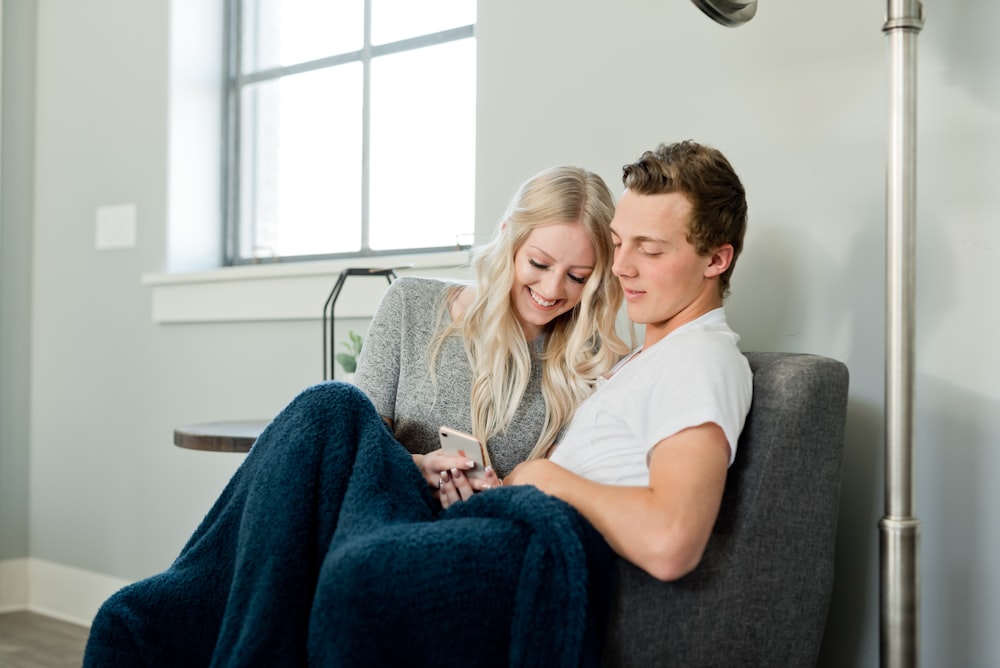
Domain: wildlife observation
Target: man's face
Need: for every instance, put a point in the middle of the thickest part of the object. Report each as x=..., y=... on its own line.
x=666, y=282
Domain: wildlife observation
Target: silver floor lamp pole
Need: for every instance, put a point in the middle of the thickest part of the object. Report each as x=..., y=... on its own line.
x=899, y=529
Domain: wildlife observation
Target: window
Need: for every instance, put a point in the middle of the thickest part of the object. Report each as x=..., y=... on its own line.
x=350, y=128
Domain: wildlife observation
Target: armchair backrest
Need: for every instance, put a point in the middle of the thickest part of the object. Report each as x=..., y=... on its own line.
x=761, y=593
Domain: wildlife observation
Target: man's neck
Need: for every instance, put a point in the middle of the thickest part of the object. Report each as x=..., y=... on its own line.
x=656, y=332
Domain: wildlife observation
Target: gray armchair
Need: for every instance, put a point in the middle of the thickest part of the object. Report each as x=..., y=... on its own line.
x=761, y=593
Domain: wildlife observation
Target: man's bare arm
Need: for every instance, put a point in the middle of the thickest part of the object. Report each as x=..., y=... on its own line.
x=662, y=528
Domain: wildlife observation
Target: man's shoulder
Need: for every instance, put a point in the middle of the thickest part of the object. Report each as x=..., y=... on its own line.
x=706, y=343
x=710, y=330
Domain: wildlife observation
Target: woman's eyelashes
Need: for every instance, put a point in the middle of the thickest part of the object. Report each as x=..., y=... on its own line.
x=544, y=267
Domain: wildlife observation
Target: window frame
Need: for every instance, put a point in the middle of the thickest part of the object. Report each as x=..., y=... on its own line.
x=235, y=82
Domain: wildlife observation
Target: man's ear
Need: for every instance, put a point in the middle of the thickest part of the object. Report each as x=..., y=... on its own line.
x=719, y=261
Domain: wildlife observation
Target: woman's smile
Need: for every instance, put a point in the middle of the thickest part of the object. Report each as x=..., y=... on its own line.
x=541, y=301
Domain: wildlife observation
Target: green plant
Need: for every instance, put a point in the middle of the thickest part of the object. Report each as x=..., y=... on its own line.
x=349, y=360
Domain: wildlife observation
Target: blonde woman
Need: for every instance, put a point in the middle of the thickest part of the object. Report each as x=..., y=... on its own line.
x=509, y=357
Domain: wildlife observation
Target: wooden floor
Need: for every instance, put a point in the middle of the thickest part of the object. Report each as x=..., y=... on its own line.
x=30, y=640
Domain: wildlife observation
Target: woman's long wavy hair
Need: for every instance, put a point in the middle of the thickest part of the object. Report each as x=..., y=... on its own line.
x=580, y=344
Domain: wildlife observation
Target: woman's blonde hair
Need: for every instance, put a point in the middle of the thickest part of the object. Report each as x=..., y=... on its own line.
x=580, y=344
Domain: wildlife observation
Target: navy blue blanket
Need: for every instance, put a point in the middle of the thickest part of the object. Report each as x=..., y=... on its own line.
x=327, y=549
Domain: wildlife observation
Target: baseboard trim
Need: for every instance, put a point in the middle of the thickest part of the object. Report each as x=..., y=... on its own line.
x=13, y=585
x=55, y=590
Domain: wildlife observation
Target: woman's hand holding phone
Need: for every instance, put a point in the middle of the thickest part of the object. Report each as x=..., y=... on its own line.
x=433, y=464
x=462, y=465
x=451, y=458
x=456, y=486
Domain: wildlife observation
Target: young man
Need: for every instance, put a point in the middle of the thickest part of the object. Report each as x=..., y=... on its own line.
x=645, y=457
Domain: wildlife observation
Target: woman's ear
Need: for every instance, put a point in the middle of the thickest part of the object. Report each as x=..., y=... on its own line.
x=719, y=260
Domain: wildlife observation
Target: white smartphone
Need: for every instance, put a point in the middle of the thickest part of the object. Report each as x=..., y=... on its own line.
x=465, y=445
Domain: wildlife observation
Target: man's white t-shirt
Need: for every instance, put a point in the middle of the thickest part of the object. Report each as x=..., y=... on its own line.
x=693, y=376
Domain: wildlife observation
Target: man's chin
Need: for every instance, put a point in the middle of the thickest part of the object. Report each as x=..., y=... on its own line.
x=635, y=314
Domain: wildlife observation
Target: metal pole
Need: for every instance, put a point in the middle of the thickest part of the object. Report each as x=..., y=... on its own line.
x=899, y=530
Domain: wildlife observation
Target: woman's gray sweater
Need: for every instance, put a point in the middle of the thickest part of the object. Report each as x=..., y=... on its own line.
x=393, y=372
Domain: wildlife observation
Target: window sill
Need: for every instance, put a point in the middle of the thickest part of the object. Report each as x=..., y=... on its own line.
x=293, y=291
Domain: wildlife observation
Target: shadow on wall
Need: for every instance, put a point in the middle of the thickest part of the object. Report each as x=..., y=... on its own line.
x=851, y=636
x=853, y=610
x=766, y=289
x=792, y=295
x=956, y=422
x=965, y=39
x=955, y=476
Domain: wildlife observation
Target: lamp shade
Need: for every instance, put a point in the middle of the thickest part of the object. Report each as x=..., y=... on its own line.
x=728, y=12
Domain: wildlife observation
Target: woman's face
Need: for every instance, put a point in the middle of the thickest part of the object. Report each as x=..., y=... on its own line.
x=550, y=270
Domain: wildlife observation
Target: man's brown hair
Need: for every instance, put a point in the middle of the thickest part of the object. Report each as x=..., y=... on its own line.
x=705, y=177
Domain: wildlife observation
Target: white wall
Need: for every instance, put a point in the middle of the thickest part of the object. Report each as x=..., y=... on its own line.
x=796, y=99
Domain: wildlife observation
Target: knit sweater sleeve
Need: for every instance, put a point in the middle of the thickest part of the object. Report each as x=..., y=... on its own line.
x=394, y=371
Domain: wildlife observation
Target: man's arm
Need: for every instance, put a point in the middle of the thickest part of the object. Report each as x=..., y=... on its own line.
x=662, y=528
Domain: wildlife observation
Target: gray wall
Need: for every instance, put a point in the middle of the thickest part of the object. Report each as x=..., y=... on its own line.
x=797, y=99
x=17, y=171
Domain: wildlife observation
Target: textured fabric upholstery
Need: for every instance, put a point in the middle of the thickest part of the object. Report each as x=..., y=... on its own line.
x=761, y=593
